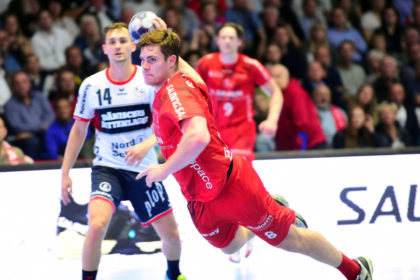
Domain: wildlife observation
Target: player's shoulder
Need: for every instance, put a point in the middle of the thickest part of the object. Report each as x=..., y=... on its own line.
x=95, y=79
x=208, y=58
x=249, y=60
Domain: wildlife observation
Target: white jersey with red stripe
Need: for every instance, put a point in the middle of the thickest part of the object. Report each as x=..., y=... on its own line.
x=121, y=114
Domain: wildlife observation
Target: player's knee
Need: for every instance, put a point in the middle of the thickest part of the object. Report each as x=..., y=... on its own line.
x=171, y=237
x=229, y=250
x=98, y=226
x=294, y=240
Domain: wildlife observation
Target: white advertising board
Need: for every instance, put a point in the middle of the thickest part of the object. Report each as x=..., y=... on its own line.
x=365, y=205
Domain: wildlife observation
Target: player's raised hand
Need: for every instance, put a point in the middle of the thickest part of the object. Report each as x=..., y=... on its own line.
x=66, y=189
x=154, y=173
x=268, y=128
x=159, y=23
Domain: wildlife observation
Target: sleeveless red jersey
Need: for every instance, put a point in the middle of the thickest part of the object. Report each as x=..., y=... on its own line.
x=181, y=98
x=231, y=87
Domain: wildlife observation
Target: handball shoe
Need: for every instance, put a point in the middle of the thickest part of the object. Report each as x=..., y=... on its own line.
x=366, y=268
x=180, y=277
x=300, y=221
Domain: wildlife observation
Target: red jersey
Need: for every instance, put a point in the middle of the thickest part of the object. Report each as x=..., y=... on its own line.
x=231, y=88
x=181, y=98
x=298, y=114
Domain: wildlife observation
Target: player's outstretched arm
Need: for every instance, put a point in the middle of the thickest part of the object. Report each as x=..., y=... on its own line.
x=135, y=154
x=269, y=125
x=195, y=139
x=76, y=139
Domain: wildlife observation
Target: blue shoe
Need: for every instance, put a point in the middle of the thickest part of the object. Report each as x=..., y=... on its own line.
x=300, y=221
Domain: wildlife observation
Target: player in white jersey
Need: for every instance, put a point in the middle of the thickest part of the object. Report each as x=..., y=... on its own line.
x=118, y=102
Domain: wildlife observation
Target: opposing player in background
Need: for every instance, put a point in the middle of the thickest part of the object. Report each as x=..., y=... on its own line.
x=118, y=102
x=219, y=186
x=231, y=78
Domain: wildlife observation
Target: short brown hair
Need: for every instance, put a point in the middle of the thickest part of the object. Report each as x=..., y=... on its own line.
x=115, y=26
x=239, y=29
x=169, y=42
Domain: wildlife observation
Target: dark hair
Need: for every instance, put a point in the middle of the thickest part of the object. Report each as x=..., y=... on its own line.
x=239, y=29
x=169, y=42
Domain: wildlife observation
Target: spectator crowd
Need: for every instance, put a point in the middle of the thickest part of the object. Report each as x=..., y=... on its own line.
x=349, y=70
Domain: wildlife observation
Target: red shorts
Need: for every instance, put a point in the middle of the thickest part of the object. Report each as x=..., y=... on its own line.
x=243, y=201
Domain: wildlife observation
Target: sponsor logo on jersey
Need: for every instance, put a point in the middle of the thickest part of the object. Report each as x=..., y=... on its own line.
x=176, y=103
x=214, y=232
x=227, y=93
x=194, y=165
x=189, y=84
x=123, y=119
x=121, y=91
x=84, y=99
x=267, y=222
x=215, y=74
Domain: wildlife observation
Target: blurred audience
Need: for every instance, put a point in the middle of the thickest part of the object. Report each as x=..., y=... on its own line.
x=28, y=114
x=90, y=40
x=40, y=80
x=388, y=132
x=5, y=92
x=358, y=133
x=298, y=126
x=57, y=134
x=405, y=114
x=365, y=98
x=332, y=118
x=352, y=74
x=388, y=74
x=49, y=43
x=10, y=155
x=10, y=60
x=364, y=52
x=341, y=30
x=55, y=7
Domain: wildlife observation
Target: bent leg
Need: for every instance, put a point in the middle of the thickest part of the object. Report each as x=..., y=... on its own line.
x=242, y=236
x=100, y=213
x=168, y=232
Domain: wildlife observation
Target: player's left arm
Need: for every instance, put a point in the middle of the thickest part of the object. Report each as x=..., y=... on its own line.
x=189, y=71
x=135, y=154
x=269, y=125
x=194, y=140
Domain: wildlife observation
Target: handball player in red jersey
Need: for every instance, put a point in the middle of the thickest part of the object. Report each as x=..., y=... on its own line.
x=232, y=78
x=219, y=186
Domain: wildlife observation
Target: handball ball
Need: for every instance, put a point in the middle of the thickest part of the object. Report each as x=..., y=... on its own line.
x=140, y=24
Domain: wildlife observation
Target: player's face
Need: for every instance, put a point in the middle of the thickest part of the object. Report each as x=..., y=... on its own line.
x=118, y=45
x=228, y=41
x=156, y=69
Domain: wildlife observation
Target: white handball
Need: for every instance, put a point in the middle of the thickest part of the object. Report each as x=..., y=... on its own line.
x=141, y=23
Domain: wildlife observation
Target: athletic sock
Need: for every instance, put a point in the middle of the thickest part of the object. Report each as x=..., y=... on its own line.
x=349, y=268
x=173, y=269
x=89, y=275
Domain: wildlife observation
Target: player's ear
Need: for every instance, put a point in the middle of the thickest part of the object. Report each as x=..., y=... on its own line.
x=104, y=49
x=172, y=60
